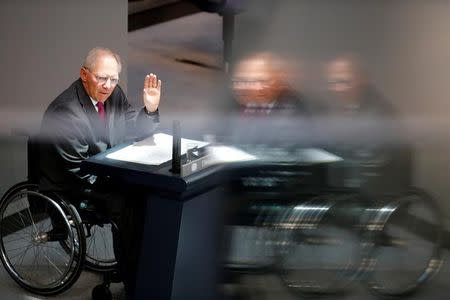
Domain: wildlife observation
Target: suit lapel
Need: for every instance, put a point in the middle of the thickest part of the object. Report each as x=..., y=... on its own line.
x=87, y=105
x=91, y=113
x=110, y=116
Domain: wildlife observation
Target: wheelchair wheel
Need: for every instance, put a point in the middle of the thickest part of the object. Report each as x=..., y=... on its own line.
x=99, y=247
x=407, y=245
x=252, y=246
x=31, y=246
x=319, y=248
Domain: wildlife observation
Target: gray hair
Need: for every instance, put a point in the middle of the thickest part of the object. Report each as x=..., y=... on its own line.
x=94, y=53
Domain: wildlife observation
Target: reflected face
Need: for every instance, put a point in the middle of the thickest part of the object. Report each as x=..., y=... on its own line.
x=100, y=80
x=343, y=79
x=253, y=81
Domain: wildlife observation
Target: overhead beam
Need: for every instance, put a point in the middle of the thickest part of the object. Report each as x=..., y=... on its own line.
x=160, y=14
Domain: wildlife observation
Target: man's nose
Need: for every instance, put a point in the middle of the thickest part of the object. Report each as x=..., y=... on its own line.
x=107, y=84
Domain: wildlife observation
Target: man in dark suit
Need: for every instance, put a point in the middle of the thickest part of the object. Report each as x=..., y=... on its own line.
x=265, y=109
x=367, y=134
x=91, y=116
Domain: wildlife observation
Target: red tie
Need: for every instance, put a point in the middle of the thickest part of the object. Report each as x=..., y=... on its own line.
x=101, y=111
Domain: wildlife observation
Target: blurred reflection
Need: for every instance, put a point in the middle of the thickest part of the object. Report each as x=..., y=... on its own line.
x=260, y=86
x=258, y=80
x=320, y=225
x=322, y=244
x=406, y=239
x=264, y=108
x=269, y=120
x=352, y=90
x=365, y=131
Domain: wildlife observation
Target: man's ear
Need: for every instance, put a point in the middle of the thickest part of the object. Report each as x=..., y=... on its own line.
x=83, y=74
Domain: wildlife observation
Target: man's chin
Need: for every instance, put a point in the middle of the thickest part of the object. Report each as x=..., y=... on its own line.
x=102, y=98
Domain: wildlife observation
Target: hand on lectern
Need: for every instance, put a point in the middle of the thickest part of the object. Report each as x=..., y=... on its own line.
x=151, y=92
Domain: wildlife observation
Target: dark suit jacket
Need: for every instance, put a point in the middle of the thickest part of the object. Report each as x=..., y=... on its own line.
x=71, y=132
x=376, y=156
x=282, y=124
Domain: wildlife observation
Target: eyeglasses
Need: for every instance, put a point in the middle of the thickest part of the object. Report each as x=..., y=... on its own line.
x=340, y=82
x=242, y=83
x=103, y=79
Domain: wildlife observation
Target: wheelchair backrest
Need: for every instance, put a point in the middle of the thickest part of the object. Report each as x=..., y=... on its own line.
x=33, y=148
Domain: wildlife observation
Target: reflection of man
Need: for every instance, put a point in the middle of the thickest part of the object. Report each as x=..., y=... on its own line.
x=368, y=137
x=265, y=106
x=348, y=84
x=90, y=116
x=259, y=86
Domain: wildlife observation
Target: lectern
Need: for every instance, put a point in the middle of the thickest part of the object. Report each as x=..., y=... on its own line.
x=184, y=215
x=179, y=256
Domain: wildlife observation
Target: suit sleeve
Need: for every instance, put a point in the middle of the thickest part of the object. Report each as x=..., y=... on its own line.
x=64, y=145
x=139, y=122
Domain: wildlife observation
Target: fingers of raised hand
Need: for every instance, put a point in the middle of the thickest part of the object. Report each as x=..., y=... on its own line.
x=151, y=81
x=158, y=86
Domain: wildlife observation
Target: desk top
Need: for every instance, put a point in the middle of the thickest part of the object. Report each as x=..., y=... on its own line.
x=158, y=177
x=161, y=178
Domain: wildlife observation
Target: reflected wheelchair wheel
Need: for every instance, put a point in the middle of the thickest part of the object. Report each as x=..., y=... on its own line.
x=251, y=246
x=31, y=246
x=407, y=235
x=99, y=247
x=319, y=253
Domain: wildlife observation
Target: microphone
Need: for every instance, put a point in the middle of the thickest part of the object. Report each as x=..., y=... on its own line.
x=176, y=148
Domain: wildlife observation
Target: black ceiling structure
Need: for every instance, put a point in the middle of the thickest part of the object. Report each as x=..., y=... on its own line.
x=147, y=13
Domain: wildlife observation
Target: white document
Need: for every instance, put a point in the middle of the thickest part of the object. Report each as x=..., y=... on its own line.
x=153, y=150
x=157, y=149
x=227, y=154
x=316, y=155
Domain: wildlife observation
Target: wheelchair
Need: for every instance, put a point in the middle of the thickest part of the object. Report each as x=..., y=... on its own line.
x=405, y=249
x=330, y=241
x=45, y=242
x=321, y=241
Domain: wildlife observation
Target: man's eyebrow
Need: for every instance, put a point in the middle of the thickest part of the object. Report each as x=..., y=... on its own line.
x=106, y=75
